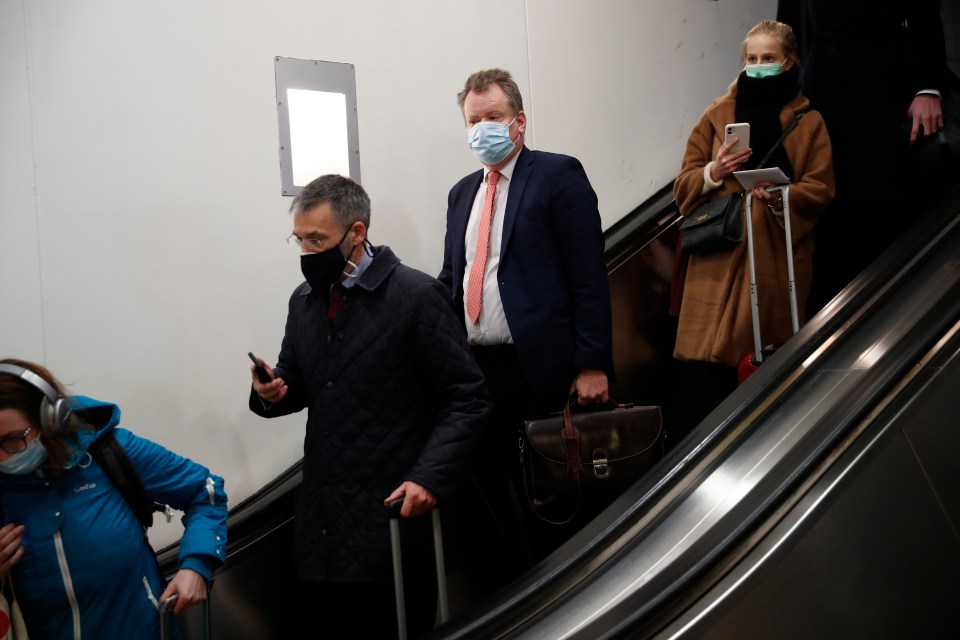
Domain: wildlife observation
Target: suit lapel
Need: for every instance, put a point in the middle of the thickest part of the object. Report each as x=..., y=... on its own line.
x=461, y=215
x=521, y=173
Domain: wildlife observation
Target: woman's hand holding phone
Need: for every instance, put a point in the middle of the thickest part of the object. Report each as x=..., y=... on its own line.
x=728, y=161
x=734, y=151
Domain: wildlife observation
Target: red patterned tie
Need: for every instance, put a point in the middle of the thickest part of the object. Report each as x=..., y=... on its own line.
x=479, y=268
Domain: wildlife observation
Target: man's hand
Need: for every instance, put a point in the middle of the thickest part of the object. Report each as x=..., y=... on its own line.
x=272, y=391
x=190, y=588
x=11, y=547
x=591, y=386
x=926, y=111
x=417, y=500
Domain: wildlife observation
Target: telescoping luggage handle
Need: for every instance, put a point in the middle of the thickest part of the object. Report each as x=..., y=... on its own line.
x=393, y=512
x=791, y=281
x=166, y=606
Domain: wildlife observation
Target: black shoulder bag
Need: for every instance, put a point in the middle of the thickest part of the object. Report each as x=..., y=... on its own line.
x=717, y=225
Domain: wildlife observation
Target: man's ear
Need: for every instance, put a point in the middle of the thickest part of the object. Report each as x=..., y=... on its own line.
x=359, y=233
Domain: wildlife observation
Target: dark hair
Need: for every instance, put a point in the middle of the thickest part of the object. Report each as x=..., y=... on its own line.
x=18, y=394
x=482, y=80
x=350, y=203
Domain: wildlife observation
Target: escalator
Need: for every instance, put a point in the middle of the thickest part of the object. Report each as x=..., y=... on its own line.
x=817, y=499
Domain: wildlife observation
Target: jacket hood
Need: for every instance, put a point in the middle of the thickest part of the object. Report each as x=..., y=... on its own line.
x=102, y=416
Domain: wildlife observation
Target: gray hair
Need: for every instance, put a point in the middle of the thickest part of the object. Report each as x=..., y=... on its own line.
x=350, y=203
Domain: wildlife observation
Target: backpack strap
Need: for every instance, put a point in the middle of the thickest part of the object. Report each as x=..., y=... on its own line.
x=116, y=464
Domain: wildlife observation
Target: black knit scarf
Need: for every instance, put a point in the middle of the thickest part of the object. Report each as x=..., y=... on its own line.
x=759, y=101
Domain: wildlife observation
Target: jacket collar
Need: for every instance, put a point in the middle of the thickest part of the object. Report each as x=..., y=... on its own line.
x=384, y=262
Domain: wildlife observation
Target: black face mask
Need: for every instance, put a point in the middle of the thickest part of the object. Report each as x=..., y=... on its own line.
x=324, y=268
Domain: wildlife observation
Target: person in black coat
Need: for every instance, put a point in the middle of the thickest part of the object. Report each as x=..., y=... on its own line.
x=395, y=406
x=875, y=70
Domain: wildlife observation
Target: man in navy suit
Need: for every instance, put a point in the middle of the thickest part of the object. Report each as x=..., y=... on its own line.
x=536, y=309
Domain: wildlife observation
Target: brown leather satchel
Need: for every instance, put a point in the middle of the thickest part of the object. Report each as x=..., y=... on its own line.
x=587, y=458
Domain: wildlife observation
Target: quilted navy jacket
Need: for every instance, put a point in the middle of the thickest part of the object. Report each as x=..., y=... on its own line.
x=392, y=394
x=86, y=570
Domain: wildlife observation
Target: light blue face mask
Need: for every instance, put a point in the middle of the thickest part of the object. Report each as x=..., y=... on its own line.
x=765, y=70
x=26, y=461
x=490, y=141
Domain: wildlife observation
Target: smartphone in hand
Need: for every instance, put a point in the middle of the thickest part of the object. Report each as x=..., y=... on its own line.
x=262, y=374
x=740, y=131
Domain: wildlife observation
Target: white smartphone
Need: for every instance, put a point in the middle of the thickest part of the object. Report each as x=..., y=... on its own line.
x=740, y=131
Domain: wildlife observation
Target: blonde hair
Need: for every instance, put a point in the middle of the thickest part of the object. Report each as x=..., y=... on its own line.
x=782, y=32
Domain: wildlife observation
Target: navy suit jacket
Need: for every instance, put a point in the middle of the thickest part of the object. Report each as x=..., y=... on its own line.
x=552, y=275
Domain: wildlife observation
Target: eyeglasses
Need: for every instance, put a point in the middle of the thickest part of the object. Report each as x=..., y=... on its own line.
x=311, y=244
x=304, y=243
x=15, y=444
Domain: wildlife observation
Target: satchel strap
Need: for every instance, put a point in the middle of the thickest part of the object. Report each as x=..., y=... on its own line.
x=531, y=500
x=571, y=442
x=571, y=437
x=793, y=123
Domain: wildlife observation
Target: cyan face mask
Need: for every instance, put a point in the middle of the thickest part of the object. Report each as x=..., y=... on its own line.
x=26, y=461
x=765, y=70
x=490, y=141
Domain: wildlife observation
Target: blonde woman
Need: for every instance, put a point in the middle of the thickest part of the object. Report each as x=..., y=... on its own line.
x=715, y=327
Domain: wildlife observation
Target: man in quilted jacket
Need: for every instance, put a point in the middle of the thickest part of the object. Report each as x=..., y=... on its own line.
x=395, y=404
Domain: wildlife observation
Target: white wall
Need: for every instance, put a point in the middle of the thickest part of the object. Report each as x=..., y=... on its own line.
x=142, y=228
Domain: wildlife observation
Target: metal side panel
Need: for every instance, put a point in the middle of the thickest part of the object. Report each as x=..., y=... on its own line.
x=868, y=552
x=934, y=434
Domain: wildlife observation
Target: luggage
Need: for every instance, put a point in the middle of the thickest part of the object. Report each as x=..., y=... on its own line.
x=588, y=458
x=166, y=620
x=393, y=512
x=752, y=361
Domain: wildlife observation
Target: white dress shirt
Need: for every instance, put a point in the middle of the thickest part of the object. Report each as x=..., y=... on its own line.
x=492, y=327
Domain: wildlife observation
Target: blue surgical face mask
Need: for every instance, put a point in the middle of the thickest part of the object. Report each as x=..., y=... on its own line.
x=26, y=461
x=490, y=141
x=764, y=70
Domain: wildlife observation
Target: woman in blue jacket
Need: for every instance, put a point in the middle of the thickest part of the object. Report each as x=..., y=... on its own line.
x=76, y=552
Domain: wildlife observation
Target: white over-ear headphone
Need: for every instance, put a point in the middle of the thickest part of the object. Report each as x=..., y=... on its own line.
x=54, y=408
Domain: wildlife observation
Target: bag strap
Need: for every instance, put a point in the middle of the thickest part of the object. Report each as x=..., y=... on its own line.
x=571, y=443
x=532, y=500
x=793, y=123
x=116, y=464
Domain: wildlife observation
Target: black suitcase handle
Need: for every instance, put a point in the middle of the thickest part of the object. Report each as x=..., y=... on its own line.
x=393, y=513
x=166, y=606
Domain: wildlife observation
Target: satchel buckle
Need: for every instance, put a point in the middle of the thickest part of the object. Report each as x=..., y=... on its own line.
x=601, y=468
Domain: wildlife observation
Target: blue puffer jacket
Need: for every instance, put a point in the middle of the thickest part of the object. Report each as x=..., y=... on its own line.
x=86, y=571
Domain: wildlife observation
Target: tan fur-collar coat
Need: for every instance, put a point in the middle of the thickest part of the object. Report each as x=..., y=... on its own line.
x=715, y=321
